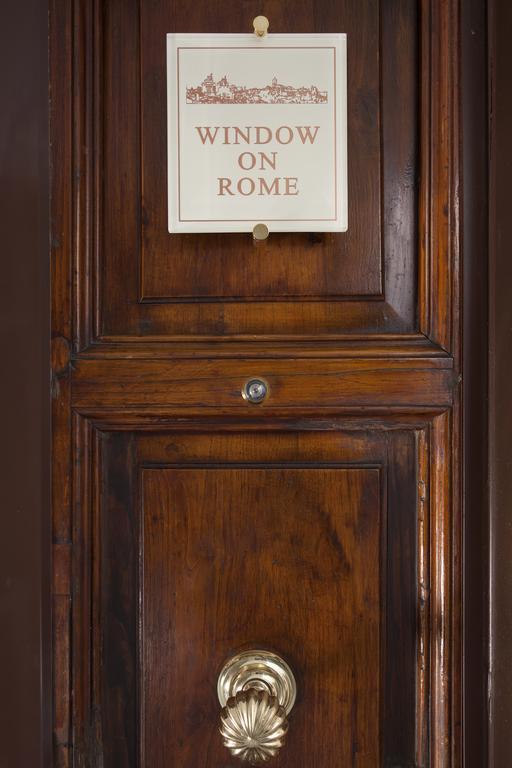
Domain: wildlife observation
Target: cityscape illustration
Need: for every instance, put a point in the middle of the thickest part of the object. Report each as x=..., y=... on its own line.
x=212, y=91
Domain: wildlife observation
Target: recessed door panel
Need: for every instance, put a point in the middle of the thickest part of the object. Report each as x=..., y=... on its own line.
x=301, y=544
x=281, y=558
x=144, y=281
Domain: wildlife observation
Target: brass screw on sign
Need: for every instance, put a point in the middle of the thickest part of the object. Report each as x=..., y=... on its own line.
x=260, y=232
x=261, y=25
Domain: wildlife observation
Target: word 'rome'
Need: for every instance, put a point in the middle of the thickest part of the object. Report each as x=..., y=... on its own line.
x=260, y=160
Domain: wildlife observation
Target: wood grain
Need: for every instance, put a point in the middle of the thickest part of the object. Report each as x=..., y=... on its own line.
x=348, y=473
x=288, y=265
x=211, y=384
x=137, y=280
x=122, y=635
x=286, y=559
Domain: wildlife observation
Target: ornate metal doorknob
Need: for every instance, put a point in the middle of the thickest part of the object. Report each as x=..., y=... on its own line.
x=256, y=691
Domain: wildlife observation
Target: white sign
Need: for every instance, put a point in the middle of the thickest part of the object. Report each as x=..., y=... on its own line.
x=257, y=132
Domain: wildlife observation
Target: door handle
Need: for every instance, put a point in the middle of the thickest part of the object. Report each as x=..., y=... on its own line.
x=257, y=691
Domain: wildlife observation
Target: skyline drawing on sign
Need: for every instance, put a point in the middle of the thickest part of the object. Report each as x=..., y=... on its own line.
x=212, y=91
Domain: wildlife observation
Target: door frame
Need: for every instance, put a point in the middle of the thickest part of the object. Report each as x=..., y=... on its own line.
x=25, y=527
x=500, y=373
x=25, y=561
x=474, y=106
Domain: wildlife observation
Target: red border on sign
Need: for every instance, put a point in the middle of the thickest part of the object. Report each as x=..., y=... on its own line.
x=253, y=47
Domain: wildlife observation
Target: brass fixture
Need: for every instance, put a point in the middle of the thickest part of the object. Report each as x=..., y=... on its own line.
x=260, y=232
x=257, y=691
x=255, y=390
x=261, y=25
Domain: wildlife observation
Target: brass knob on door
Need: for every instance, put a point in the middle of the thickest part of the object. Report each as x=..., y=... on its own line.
x=256, y=691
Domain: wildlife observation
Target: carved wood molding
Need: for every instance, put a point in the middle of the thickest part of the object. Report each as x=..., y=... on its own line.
x=202, y=386
x=133, y=395
x=438, y=578
x=439, y=244
x=438, y=214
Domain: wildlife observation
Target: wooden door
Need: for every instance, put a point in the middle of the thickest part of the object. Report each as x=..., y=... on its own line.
x=322, y=524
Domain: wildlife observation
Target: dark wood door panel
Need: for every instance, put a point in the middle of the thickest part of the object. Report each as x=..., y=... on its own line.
x=279, y=558
x=323, y=523
x=136, y=280
x=289, y=265
x=205, y=385
x=204, y=543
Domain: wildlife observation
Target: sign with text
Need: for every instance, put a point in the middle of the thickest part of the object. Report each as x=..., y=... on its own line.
x=257, y=132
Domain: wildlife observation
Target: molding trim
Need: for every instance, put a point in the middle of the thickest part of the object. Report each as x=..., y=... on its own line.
x=438, y=675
